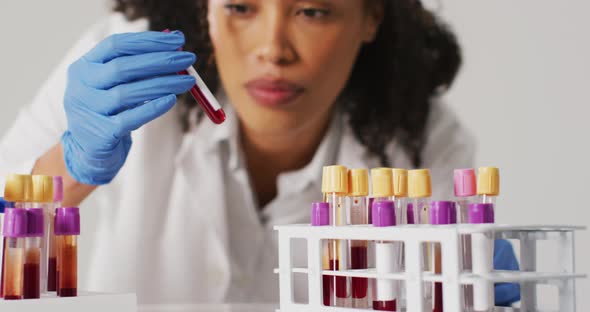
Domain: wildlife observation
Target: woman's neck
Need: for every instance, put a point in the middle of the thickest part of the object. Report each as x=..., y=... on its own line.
x=268, y=155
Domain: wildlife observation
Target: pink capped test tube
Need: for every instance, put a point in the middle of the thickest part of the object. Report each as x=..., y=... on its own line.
x=320, y=216
x=465, y=190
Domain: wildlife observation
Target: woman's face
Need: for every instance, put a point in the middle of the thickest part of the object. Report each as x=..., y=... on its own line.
x=283, y=63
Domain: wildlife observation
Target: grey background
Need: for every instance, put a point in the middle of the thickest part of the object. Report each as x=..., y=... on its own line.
x=522, y=92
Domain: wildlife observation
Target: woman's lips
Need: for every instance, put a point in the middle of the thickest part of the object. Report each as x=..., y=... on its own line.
x=273, y=92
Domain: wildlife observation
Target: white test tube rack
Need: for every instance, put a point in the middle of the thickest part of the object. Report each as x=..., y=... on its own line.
x=449, y=237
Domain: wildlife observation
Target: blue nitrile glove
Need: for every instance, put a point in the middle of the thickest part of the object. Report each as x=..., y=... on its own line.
x=505, y=259
x=126, y=81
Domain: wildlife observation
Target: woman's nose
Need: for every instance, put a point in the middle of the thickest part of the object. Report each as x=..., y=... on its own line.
x=275, y=44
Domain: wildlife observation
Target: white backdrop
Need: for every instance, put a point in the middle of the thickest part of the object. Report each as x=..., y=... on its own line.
x=522, y=92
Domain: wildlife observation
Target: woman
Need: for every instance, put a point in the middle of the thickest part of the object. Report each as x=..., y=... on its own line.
x=189, y=216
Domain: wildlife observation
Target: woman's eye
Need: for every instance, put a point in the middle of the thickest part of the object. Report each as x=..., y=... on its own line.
x=313, y=13
x=239, y=9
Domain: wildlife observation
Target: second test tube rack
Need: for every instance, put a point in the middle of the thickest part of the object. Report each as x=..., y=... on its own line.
x=413, y=237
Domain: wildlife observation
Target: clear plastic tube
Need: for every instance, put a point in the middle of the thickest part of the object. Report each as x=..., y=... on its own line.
x=463, y=218
x=13, y=268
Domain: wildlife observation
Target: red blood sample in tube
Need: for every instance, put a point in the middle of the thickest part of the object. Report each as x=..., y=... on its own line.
x=52, y=275
x=358, y=260
x=339, y=281
x=389, y=305
x=217, y=116
x=327, y=287
x=31, y=281
x=438, y=299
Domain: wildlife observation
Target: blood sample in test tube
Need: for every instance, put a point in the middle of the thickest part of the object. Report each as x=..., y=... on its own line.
x=358, y=185
x=440, y=212
x=320, y=216
x=15, y=232
x=335, y=191
x=18, y=193
x=32, y=265
x=67, y=229
x=43, y=198
x=419, y=193
x=51, y=240
x=203, y=96
x=465, y=190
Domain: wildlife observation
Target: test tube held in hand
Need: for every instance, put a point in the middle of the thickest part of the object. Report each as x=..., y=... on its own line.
x=43, y=198
x=465, y=190
x=385, y=291
x=335, y=190
x=32, y=265
x=440, y=212
x=67, y=229
x=358, y=184
x=51, y=239
x=15, y=232
x=482, y=245
x=203, y=96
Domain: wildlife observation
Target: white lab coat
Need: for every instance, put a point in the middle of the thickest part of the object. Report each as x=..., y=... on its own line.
x=160, y=228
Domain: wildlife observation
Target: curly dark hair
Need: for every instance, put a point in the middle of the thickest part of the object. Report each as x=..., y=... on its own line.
x=413, y=58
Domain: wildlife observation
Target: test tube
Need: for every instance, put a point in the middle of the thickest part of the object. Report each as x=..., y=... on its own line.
x=465, y=191
x=203, y=95
x=488, y=184
x=440, y=212
x=320, y=216
x=15, y=232
x=385, y=291
x=67, y=229
x=43, y=198
x=32, y=266
x=483, y=253
x=51, y=238
x=419, y=193
x=358, y=183
x=18, y=193
x=400, y=193
x=335, y=190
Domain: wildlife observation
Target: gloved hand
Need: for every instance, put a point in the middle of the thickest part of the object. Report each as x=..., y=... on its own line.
x=505, y=259
x=126, y=81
